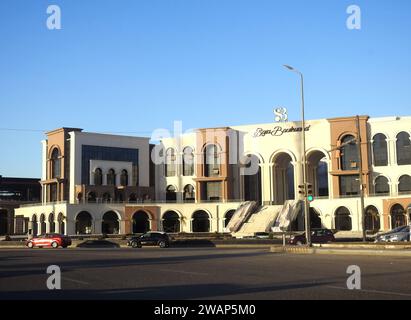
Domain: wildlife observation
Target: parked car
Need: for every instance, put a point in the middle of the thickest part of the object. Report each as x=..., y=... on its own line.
x=53, y=240
x=396, y=235
x=317, y=236
x=160, y=239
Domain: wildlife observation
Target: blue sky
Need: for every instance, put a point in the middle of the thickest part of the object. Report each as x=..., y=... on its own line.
x=138, y=65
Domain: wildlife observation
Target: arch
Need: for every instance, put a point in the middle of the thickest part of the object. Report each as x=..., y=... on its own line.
x=403, y=148
x=398, y=216
x=372, y=219
x=188, y=161
x=170, y=162
x=61, y=223
x=42, y=222
x=3, y=222
x=55, y=163
x=110, y=223
x=189, y=193
x=34, y=224
x=200, y=221
x=171, y=193
x=381, y=185
x=52, y=223
x=315, y=219
x=91, y=197
x=132, y=198
x=124, y=178
x=343, y=220
x=171, y=222
x=380, y=150
x=349, y=153
x=404, y=184
x=317, y=172
x=252, y=187
x=84, y=221
x=141, y=222
x=283, y=177
x=257, y=154
x=111, y=177
x=106, y=197
x=228, y=216
x=98, y=177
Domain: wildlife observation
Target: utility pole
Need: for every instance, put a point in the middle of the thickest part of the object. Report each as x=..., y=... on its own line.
x=361, y=179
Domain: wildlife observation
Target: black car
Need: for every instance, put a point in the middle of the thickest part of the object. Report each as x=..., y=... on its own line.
x=160, y=239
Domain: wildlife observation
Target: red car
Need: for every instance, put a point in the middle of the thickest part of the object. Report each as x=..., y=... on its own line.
x=317, y=236
x=53, y=240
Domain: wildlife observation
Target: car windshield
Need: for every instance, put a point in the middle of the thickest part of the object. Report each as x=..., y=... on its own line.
x=399, y=229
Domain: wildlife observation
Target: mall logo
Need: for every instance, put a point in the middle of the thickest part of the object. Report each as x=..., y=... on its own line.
x=277, y=131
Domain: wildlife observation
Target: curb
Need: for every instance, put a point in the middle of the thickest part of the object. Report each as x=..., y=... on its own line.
x=358, y=252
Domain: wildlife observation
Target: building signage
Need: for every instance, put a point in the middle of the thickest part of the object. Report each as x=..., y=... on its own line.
x=278, y=131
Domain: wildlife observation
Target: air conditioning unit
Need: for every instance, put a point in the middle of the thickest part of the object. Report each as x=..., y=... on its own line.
x=354, y=164
x=216, y=171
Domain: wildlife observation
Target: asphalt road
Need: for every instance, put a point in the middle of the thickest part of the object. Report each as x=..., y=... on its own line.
x=199, y=273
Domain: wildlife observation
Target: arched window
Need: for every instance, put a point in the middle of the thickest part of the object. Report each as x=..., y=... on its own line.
x=55, y=164
x=124, y=178
x=200, y=221
x=188, y=162
x=106, y=197
x=171, y=194
x=170, y=163
x=228, y=216
x=404, y=184
x=211, y=161
x=171, y=222
x=141, y=222
x=52, y=223
x=403, y=149
x=98, y=177
x=381, y=185
x=189, y=194
x=372, y=219
x=349, y=153
x=398, y=217
x=110, y=223
x=111, y=177
x=84, y=222
x=342, y=219
x=380, y=151
x=91, y=197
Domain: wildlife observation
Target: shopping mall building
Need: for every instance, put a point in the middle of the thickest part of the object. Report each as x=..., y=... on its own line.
x=195, y=182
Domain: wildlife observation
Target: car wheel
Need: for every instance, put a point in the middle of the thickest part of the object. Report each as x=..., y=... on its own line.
x=64, y=247
x=162, y=244
x=54, y=244
x=135, y=244
x=30, y=245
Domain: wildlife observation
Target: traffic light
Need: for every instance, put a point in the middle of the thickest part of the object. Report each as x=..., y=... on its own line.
x=301, y=190
x=310, y=195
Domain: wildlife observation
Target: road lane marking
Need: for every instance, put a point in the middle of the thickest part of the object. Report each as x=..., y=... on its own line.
x=184, y=272
x=373, y=291
x=76, y=281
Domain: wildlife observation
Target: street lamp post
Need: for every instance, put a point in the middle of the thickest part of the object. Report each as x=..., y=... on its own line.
x=304, y=160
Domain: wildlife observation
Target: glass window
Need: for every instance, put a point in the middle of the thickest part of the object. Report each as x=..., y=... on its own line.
x=189, y=192
x=349, y=185
x=124, y=178
x=98, y=177
x=212, y=161
x=55, y=164
x=404, y=184
x=380, y=152
x=349, y=153
x=403, y=149
x=213, y=191
x=342, y=219
x=170, y=163
x=188, y=162
x=382, y=186
x=111, y=177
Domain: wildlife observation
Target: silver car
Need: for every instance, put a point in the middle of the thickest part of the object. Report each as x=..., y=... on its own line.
x=396, y=235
